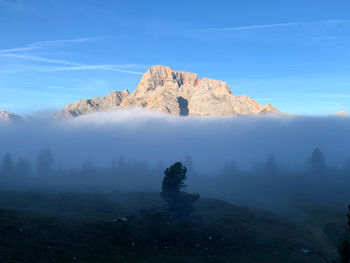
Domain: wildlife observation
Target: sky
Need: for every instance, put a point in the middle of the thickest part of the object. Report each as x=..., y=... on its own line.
x=292, y=54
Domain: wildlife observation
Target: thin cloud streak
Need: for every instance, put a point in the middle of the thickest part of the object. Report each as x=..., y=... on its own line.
x=40, y=59
x=267, y=26
x=63, y=41
x=67, y=65
x=263, y=99
x=331, y=103
x=42, y=44
x=330, y=95
x=86, y=67
x=73, y=66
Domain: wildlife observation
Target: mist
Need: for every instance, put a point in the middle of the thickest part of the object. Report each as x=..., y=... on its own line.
x=259, y=161
x=153, y=137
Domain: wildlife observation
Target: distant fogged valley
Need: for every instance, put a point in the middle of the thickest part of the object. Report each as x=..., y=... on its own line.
x=267, y=161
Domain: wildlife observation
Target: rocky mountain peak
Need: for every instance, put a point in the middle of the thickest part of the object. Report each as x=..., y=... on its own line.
x=175, y=92
x=342, y=114
x=6, y=116
x=109, y=102
x=268, y=109
x=162, y=76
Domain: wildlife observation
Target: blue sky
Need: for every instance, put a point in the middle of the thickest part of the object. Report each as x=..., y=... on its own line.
x=292, y=54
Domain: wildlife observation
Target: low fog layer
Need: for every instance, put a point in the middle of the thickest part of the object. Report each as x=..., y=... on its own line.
x=227, y=157
x=146, y=136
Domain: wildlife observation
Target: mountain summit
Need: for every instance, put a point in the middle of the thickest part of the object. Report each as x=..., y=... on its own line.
x=9, y=117
x=175, y=92
x=342, y=114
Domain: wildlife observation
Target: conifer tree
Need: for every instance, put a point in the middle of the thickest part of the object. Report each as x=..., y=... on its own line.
x=178, y=201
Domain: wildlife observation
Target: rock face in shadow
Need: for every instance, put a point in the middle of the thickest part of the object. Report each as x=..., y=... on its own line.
x=183, y=105
x=9, y=117
x=175, y=92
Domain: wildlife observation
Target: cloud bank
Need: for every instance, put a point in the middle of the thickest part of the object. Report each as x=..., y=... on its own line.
x=153, y=137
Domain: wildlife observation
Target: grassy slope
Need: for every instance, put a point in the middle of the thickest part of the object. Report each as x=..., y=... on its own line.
x=71, y=227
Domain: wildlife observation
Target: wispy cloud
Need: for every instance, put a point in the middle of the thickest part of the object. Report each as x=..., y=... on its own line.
x=43, y=64
x=38, y=59
x=57, y=88
x=43, y=44
x=13, y=4
x=65, y=41
x=331, y=95
x=332, y=103
x=85, y=67
x=69, y=66
x=267, y=26
x=263, y=99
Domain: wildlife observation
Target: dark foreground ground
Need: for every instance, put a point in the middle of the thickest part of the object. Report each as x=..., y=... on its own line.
x=81, y=227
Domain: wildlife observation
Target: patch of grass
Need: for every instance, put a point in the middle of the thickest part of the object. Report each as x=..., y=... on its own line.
x=79, y=227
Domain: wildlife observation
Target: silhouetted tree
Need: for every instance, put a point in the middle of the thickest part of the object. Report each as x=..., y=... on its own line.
x=87, y=166
x=347, y=163
x=317, y=161
x=114, y=164
x=23, y=168
x=174, y=178
x=122, y=164
x=229, y=168
x=88, y=169
x=7, y=165
x=178, y=201
x=271, y=166
x=45, y=162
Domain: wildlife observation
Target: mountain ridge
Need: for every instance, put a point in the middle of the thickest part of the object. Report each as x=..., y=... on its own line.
x=341, y=114
x=6, y=116
x=174, y=92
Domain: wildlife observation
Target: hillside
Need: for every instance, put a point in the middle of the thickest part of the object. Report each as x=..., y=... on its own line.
x=82, y=227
